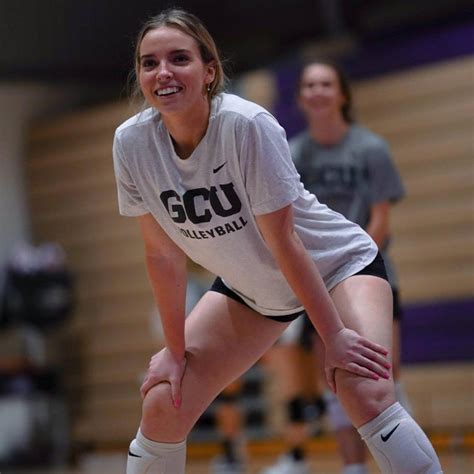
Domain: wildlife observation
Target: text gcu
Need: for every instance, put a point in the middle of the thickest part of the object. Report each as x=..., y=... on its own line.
x=181, y=208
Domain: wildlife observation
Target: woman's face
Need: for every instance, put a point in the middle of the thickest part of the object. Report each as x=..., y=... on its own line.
x=320, y=94
x=172, y=75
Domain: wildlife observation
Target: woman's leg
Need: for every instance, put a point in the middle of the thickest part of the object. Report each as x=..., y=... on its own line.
x=364, y=303
x=394, y=438
x=399, y=389
x=223, y=339
x=352, y=449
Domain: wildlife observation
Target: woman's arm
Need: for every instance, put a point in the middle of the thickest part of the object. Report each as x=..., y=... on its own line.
x=167, y=272
x=379, y=223
x=345, y=349
x=300, y=271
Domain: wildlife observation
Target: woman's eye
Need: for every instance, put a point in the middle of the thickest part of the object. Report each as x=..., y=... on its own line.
x=181, y=58
x=148, y=63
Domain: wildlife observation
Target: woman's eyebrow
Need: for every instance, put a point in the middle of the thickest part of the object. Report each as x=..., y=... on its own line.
x=182, y=50
x=175, y=51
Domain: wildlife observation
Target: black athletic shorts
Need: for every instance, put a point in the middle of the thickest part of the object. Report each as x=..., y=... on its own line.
x=219, y=287
x=376, y=268
x=397, y=307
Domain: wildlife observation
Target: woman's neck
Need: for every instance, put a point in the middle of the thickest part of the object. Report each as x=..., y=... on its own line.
x=187, y=130
x=328, y=131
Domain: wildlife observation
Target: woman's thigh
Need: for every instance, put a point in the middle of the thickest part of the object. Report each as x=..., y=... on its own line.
x=223, y=339
x=364, y=304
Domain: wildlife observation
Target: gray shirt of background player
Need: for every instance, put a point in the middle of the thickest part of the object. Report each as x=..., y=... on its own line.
x=351, y=176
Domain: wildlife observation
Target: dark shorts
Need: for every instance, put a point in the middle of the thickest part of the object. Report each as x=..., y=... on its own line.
x=397, y=307
x=376, y=268
x=219, y=287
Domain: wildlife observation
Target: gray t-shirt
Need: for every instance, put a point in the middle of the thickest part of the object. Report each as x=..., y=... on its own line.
x=206, y=204
x=350, y=176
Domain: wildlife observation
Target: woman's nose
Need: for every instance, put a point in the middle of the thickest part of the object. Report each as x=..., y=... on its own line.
x=163, y=72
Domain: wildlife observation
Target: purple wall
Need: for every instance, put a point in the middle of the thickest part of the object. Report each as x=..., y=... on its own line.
x=439, y=331
x=376, y=57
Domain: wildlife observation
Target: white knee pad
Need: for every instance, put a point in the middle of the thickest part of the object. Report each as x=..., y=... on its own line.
x=337, y=415
x=398, y=444
x=140, y=461
x=150, y=457
x=355, y=469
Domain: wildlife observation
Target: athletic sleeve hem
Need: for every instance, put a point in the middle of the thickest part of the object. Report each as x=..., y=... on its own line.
x=274, y=204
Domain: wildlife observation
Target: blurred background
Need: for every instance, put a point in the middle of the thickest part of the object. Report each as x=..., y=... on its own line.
x=76, y=320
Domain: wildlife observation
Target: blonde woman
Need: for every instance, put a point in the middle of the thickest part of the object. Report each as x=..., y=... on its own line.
x=209, y=175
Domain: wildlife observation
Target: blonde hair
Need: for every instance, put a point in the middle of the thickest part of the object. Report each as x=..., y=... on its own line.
x=192, y=26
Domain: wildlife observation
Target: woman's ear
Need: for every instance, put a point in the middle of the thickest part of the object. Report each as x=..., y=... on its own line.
x=211, y=72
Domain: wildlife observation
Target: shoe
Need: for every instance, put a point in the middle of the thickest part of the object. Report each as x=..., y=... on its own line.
x=220, y=465
x=287, y=465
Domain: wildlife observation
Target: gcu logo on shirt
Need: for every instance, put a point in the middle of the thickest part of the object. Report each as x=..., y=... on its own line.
x=181, y=208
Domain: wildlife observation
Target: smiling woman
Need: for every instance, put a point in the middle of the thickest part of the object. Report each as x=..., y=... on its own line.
x=172, y=74
x=202, y=40
x=210, y=177
x=174, y=78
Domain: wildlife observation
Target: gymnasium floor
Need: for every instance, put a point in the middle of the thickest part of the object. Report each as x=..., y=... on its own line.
x=456, y=458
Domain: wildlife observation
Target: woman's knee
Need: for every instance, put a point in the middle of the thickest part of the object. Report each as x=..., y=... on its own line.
x=157, y=400
x=364, y=399
x=161, y=421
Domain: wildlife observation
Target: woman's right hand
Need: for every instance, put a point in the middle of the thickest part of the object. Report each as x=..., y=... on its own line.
x=165, y=367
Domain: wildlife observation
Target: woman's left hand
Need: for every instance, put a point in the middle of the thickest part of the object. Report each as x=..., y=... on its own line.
x=353, y=353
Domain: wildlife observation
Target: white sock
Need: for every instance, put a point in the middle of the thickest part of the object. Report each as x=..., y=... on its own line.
x=355, y=469
x=150, y=457
x=401, y=397
x=398, y=444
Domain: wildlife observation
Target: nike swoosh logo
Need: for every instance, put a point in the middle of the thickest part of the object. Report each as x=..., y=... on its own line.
x=133, y=454
x=387, y=436
x=215, y=170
